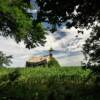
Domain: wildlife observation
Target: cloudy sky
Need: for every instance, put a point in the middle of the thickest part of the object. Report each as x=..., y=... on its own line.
x=68, y=48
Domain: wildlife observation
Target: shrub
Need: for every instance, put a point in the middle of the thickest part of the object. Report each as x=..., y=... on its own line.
x=53, y=62
x=47, y=84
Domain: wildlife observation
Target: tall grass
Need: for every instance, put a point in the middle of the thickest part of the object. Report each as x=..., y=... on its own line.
x=46, y=84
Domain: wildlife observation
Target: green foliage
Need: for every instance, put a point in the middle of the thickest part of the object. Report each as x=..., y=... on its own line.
x=13, y=75
x=4, y=60
x=10, y=75
x=47, y=84
x=82, y=13
x=91, y=50
x=16, y=22
x=53, y=62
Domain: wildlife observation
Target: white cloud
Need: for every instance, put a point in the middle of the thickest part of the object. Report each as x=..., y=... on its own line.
x=69, y=48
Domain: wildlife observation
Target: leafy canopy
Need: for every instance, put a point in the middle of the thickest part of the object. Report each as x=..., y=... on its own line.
x=77, y=13
x=16, y=22
x=91, y=50
x=80, y=14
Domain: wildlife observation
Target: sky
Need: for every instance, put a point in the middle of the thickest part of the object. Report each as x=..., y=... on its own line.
x=68, y=48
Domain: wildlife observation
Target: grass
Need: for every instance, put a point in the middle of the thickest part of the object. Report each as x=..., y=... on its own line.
x=40, y=71
x=54, y=83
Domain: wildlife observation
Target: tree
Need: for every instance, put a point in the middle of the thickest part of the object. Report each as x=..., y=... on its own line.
x=17, y=22
x=53, y=62
x=77, y=13
x=91, y=50
x=4, y=60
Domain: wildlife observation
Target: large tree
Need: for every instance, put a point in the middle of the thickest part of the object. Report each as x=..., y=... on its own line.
x=80, y=14
x=17, y=22
x=91, y=50
x=77, y=13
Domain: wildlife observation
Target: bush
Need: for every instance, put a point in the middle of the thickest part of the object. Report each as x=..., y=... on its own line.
x=53, y=62
x=47, y=84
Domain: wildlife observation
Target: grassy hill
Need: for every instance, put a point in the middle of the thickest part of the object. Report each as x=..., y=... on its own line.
x=46, y=84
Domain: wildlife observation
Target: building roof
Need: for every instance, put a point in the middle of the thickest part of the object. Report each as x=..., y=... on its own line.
x=36, y=59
